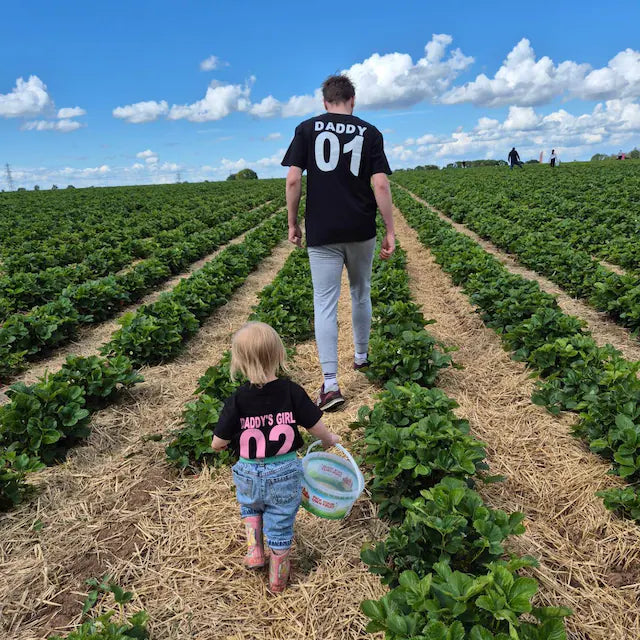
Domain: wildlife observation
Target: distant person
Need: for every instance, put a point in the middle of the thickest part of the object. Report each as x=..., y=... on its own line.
x=342, y=155
x=552, y=162
x=464, y=164
x=514, y=159
x=260, y=421
x=620, y=155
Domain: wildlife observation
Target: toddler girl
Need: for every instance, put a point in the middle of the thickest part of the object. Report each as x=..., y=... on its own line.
x=260, y=422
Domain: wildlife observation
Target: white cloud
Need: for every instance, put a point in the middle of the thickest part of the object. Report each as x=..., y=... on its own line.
x=88, y=172
x=150, y=157
x=273, y=136
x=388, y=81
x=136, y=166
x=71, y=112
x=142, y=111
x=610, y=124
x=26, y=99
x=521, y=80
x=219, y=101
x=619, y=79
x=211, y=63
x=524, y=81
x=64, y=126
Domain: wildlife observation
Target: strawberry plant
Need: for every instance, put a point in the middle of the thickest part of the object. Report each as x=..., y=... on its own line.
x=14, y=467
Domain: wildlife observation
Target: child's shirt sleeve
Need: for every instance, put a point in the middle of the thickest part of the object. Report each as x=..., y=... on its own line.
x=305, y=410
x=229, y=420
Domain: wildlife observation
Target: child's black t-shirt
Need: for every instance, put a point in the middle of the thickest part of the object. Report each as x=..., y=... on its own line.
x=262, y=422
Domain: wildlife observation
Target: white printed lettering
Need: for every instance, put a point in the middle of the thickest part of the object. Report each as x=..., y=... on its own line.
x=350, y=128
x=361, y=130
x=340, y=127
x=319, y=125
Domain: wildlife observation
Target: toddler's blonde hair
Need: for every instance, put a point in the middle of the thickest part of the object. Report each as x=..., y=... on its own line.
x=257, y=353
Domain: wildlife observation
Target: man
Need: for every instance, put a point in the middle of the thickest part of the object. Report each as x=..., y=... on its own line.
x=514, y=158
x=343, y=155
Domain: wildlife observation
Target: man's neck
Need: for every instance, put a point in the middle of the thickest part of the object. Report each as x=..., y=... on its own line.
x=343, y=109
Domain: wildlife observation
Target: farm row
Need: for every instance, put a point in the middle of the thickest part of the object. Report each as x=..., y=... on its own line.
x=42, y=421
x=594, y=209
x=440, y=456
x=559, y=247
x=595, y=382
x=28, y=336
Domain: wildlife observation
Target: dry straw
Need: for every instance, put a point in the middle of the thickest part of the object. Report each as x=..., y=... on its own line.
x=116, y=507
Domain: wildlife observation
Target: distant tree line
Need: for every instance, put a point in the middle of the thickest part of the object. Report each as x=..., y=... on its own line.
x=634, y=154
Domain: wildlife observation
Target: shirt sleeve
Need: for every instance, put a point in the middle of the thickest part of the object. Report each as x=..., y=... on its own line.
x=296, y=155
x=379, y=162
x=228, y=421
x=305, y=410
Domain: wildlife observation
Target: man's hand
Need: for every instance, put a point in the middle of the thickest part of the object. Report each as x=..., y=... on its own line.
x=295, y=235
x=388, y=245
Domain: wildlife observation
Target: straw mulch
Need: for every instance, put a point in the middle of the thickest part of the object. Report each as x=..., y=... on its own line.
x=115, y=507
x=602, y=327
x=590, y=559
x=91, y=337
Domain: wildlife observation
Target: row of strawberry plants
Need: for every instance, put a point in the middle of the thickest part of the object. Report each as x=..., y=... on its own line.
x=23, y=290
x=57, y=228
x=24, y=337
x=573, y=269
x=577, y=375
x=43, y=420
x=442, y=556
x=593, y=208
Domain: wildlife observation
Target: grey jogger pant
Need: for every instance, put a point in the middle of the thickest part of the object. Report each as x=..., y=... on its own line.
x=327, y=262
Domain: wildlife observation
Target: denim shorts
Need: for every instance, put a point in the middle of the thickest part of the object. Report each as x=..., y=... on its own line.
x=273, y=490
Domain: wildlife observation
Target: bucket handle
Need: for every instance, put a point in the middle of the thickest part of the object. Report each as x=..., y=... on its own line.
x=359, y=475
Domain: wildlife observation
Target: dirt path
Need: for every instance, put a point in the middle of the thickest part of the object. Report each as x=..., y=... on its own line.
x=589, y=559
x=115, y=507
x=603, y=329
x=91, y=337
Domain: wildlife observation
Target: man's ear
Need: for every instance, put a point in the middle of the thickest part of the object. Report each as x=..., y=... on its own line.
x=353, y=102
x=326, y=108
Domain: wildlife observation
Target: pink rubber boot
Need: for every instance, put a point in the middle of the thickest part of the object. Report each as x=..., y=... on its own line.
x=279, y=567
x=255, y=547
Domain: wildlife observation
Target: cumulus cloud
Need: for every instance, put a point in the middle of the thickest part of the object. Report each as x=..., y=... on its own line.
x=521, y=80
x=273, y=136
x=524, y=81
x=612, y=123
x=150, y=157
x=64, y=125
x=388, y=81
x=219, y=101
x=27, y=99
x=619, y=79
x=142, y=111
x=211, y=63
x=71, y=112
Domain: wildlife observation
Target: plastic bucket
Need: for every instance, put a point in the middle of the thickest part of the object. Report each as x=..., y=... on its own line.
x=330, y=484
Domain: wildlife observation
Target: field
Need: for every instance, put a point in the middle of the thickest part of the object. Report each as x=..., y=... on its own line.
x=498, y=425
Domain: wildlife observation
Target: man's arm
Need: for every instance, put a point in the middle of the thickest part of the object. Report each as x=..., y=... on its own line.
x=294, y=191
x=382, y=193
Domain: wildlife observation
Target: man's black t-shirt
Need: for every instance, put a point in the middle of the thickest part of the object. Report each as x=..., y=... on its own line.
x=513, y=156
x=262, y=422
x=340, y=153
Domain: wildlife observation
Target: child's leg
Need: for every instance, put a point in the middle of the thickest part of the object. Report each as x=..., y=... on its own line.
x=251, y=508
x=282, y=501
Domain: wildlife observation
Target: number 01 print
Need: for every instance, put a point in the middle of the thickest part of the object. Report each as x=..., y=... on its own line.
x=354, y=147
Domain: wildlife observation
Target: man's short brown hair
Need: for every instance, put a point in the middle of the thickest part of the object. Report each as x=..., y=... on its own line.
x=336, y=89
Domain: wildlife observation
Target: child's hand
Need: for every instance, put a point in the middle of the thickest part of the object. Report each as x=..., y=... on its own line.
x=330, y=441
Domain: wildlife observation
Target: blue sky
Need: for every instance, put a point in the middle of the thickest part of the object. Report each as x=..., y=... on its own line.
x=138, y=107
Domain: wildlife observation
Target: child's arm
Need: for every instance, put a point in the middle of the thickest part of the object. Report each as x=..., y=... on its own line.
x=320, y=431
x=218, y=444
